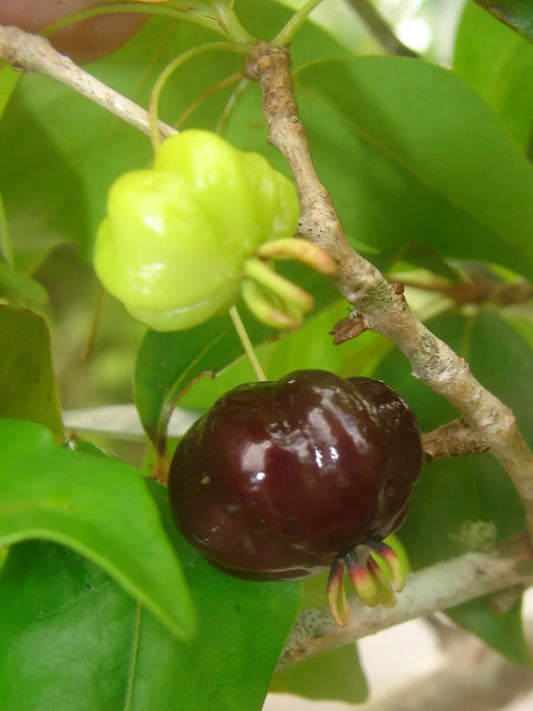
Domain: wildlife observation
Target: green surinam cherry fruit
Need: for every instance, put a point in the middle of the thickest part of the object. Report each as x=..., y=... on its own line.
x=176, y=239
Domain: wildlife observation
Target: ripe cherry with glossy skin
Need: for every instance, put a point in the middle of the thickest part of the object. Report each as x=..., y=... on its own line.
x=283, y=479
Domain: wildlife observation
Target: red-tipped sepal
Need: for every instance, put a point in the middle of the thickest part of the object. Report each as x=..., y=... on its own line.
x=370, y=582
x=340, y=610
x=391, y=560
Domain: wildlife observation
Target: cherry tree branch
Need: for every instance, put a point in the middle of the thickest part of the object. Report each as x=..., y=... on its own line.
x=380, y=306
x=439, y=587
x=30, y=53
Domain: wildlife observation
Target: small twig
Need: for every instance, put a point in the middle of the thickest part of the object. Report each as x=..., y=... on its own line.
x=479, y=291
x=377, y=302
x=31, y=53
x=380, y=29
x=452, y=440
x=439, y=587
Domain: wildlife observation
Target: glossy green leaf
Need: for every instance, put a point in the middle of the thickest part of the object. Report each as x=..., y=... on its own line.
x=517, y=14
x=100, y=507
x=67, y=632
x=59, y=152
x=498, y=64
x=468, y=502
x=89, y=645
x=27, y=385
x=449, y=177
x=336, y=675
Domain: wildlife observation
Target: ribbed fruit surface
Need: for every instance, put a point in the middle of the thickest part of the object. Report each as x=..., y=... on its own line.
x=279, y=477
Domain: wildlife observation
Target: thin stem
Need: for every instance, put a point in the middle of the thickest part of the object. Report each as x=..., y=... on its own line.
x=206, y=95
x=170, y=69
x=293, y=25
x=137, y=9
x=230, y=22
x=233, y=101
x=379, y=28
x=31, y=53
x=246, y=343
x=95, y=325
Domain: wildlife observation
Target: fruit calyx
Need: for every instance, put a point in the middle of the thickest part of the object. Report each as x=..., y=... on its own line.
x=370, y=583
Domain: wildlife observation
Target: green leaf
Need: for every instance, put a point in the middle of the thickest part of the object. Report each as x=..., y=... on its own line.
x=243, y=628
x=100, y=507
x=336, y=675
x=501, y=631
x=16, y=286
x=90, y=646
x=27, y=385
x=8, y=80
x=498, y=64
x=468, y=502
x=67, y=632
x=517, y=14
x=449, y=177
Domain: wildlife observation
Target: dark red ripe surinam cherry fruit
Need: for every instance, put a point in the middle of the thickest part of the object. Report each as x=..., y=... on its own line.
x=284, y=479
